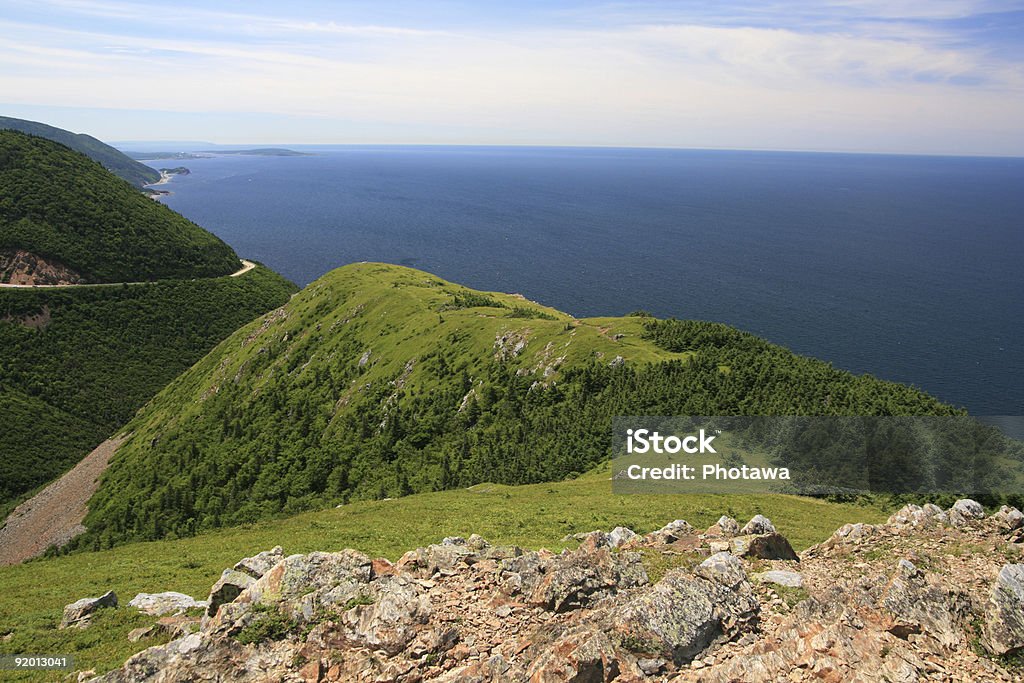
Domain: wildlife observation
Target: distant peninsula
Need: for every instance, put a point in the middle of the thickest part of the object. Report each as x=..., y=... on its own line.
x=205, y=154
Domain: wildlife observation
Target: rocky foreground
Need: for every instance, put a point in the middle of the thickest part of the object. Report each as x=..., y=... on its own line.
x=933, y=594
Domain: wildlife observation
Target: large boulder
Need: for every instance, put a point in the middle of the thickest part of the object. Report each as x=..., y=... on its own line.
x=159, y=604
x=684, y=614
x=913, y=604
x=725, y=526
x=965, y=511
x=1004, y=614
x=1007, y=519
x=80, y=612
x=575, y=579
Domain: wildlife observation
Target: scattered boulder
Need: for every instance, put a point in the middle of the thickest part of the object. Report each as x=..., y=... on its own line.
x=771, y=546
x=758, y=524
x=965, y=511
x=159, y=604
x=724, y=568
x=725, y=526
x=1008, y=519
x=1004, y=614
x=80, y=612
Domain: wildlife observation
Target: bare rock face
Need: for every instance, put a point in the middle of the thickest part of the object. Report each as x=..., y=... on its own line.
x=916, y=605
x=575, y=579
x=80, y=612
x=20, y=267
x=1004, y=626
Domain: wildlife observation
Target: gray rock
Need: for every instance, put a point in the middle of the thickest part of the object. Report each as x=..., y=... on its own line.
x=582, y=654
x=159, y=604
x=725, y=568
x=916, y=605
x=651, y=667
x=258, y=565
x=758, y=524
x=1004, y=614
x=79, y=612
x=228, y=587
x=575, y=579
x=781, y=577
x=389, y=622
x=965, y=511
x=620, y=536
x=453, y=540
x=726, y=526
x=1008, y=518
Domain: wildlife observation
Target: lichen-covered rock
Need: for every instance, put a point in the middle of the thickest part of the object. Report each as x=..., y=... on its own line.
x=1004, y=615
x=577, y=578
x=758, y=524
x=582, y=654
x=915, y=605
x=724, y=568
x=159, y=604
x=79, y=612
x=397, y=606
x=683, y=614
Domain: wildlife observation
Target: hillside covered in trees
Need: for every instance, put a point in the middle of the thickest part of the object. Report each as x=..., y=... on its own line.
x=110, y=158
x=76, y=363
x=66, y=209
x=378, y=381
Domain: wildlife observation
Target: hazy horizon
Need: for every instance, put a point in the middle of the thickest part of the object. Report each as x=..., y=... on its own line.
x=860, y=76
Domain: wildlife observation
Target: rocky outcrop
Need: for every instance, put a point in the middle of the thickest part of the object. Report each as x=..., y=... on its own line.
x=80, y=612
x=20, y=267
x=900, y=601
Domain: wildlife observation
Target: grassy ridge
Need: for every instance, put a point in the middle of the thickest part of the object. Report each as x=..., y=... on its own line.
x=63, y=206
x=104, y=352
x=380, y=381
x=533, y=516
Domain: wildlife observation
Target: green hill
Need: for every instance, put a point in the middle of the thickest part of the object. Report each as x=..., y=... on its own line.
x=76, y=363
x=111, y=159
x=379, y=381
x=68, y=212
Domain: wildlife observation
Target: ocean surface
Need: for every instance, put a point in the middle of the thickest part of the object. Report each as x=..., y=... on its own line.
x=908, y=268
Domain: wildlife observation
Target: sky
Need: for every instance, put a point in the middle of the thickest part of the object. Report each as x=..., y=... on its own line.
x=899, y=76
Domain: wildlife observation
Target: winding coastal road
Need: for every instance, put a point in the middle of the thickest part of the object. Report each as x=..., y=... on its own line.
x=246, y=267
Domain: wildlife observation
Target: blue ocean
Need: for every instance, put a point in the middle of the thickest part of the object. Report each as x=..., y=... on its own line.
x=908, y=268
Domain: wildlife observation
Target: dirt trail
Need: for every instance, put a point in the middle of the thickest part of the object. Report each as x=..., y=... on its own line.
x=54, y=515
x=246, y=267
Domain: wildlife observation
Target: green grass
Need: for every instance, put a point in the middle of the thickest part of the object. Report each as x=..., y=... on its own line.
x=540, y=515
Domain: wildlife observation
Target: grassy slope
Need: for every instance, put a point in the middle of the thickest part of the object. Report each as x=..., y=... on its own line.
x=112, y=159
x=103, y=354
x=540, y=515
x=59, y=204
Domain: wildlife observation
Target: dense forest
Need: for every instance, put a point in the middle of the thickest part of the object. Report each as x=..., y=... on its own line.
x=115, y=161
x=62, y=206
x=379, y=381
x=76, y=363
